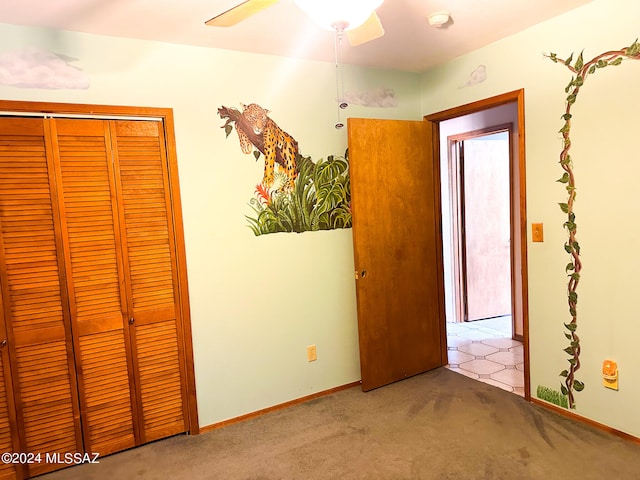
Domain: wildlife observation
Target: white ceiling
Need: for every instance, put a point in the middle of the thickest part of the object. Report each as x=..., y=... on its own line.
x=409, y=43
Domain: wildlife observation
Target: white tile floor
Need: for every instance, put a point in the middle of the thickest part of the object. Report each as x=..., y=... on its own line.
x=485, y=351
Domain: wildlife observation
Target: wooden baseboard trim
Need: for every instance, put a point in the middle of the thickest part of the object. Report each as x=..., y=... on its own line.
x=291, y=403
x=600, y=426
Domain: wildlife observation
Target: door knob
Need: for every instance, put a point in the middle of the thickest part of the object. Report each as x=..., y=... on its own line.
x=131, y=320
x=3, y=343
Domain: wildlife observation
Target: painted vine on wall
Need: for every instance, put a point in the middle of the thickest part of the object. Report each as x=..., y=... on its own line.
x=581, y=70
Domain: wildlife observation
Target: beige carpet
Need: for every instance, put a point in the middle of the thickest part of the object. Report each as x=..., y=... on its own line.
x=439, y=425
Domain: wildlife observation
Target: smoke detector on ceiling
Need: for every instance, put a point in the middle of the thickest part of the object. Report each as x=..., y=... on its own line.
x=439, y=19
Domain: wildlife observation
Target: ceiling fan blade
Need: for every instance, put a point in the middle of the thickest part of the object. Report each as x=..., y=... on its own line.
x=239, y=13
x=369, y=30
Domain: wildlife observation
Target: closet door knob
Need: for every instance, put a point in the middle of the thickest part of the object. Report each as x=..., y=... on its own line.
x=131, y=320
x=3, y=343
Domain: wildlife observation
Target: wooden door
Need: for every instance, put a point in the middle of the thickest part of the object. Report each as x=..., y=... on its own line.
x=397, y=249
x=121, y=279
x=486, y=226
x=34, y=296
x=94, y=267
x=94, y=299
x=152, y=283
x=8, y=427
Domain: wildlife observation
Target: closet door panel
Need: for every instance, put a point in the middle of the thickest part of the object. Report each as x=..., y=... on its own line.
x=160, y=379
x=94, y=275
x=8, y=427
x=35, y=308
x=149, y=243
x=7, y=470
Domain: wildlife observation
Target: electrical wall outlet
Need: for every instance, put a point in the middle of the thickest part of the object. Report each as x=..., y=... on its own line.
x=312, y=355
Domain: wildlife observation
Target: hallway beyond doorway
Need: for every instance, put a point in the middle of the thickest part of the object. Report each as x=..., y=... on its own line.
x=484, y=350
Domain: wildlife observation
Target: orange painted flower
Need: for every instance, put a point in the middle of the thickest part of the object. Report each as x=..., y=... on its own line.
x=263, y=194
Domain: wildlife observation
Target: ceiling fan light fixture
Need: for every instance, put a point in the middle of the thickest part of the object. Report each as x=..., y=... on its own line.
x=344, y=14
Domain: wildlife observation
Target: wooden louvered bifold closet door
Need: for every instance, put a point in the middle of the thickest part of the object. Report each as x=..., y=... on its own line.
x=8, y=431
x=34, y=297
x=122, y=280
x=94, y=358
x=85, y=175
x=150, y=260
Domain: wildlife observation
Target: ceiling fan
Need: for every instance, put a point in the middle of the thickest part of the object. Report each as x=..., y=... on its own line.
x=357, y=19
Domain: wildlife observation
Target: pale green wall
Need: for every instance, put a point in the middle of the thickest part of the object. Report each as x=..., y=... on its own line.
x=606, y=155
x=256, y=302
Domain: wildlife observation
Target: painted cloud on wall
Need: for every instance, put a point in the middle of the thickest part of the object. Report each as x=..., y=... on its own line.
x=380, y=97
x=33, y=67
x=479, y=75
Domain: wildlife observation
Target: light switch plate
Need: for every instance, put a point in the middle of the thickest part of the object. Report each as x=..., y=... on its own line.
x=537, y=232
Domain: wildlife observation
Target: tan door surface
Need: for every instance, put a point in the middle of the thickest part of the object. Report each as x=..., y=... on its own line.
x=487, y=228
x=397, y=248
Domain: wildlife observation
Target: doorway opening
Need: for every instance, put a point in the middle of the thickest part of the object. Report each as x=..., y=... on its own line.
x=479, y=196
x=484, y=240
